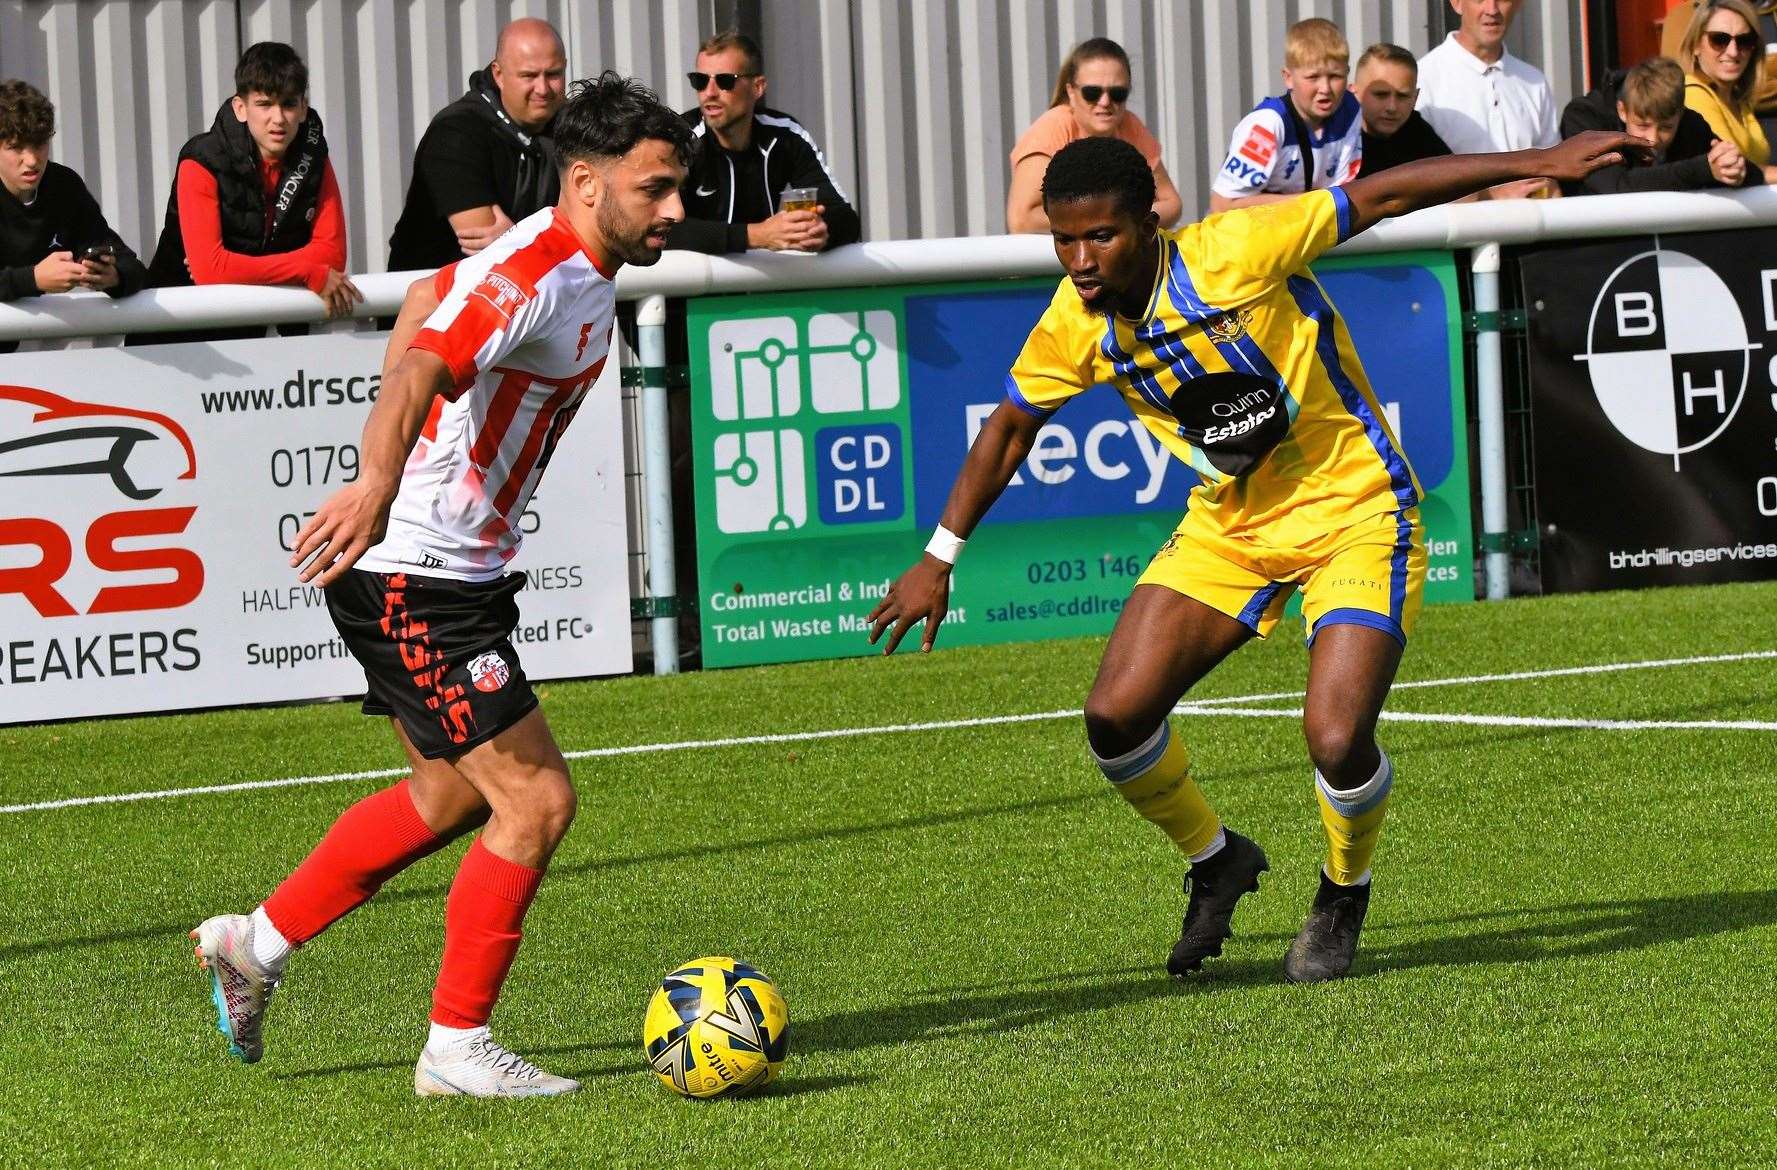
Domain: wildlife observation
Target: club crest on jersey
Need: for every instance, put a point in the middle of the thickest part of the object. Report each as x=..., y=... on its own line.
x=503, y=293
x=1260, y=147
x=489, y=672
x=1227, y=327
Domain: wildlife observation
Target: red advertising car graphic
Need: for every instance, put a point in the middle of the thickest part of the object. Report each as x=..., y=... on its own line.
x=45, y=436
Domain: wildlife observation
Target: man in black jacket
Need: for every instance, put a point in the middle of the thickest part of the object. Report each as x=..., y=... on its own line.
x=1648, y=101
x=255, y=199
x=53, y=237
x=485, y=162
x=746, y=156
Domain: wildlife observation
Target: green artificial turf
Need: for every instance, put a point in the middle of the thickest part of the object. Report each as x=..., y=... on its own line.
x=1568, y=958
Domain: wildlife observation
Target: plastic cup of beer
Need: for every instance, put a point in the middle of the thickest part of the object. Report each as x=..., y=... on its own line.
x=800, y=199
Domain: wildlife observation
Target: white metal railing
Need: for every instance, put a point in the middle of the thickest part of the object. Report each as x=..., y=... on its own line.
x=1481, y=226
x=682, y=274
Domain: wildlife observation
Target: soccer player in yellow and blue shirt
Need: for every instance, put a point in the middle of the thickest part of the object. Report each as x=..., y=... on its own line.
x=1230, y=352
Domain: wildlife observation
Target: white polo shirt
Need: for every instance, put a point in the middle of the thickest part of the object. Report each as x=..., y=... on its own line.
x=1479, y=108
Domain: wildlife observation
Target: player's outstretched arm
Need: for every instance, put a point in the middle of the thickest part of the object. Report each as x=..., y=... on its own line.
x=1431, y=181
x=354, y=518
x=923, y=591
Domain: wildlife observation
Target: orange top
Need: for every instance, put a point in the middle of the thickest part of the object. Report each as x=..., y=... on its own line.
x=1056, y=128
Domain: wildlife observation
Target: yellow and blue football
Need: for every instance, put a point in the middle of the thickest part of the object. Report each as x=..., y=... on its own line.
x=716, y=1027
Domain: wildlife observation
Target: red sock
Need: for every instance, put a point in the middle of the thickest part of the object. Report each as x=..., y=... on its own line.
x=482, y=927
x=370, y=843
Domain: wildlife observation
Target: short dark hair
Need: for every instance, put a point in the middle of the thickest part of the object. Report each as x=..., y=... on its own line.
x=605, y=116
x=271, y=68
x=26, y=117
x=1089, y=167
x=1390, y=53
x=736, y=40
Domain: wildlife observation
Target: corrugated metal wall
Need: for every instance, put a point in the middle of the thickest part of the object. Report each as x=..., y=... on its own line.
x=916, y=102
x=923, y=111
x=133, y=79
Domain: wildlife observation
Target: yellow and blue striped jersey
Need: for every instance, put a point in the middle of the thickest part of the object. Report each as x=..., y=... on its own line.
x=1233, y=304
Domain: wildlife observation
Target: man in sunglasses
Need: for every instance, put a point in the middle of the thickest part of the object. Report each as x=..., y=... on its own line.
x=1480, y=98
x=747, y=155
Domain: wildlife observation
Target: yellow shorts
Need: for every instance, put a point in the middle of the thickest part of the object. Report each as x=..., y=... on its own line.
x=1369, y=574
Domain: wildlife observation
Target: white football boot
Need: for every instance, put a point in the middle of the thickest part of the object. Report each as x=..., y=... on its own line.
x=477, y=1066
x=239, y=984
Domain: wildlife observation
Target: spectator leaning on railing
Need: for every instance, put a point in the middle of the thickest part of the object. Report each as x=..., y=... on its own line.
x=1387, y=83
x=255, y=200
x=746, y=156
x=1091, y=100
x=485, y=162
x=1648, y=102
x=1723, y=56
x=53, y=237
x=1310, y=137
x=1480, y=98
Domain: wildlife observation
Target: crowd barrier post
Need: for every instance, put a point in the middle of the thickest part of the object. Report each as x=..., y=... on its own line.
x=1490, y=395
x=657, y=483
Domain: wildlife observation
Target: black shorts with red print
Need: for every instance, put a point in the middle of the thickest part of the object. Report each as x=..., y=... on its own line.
x=437, y=654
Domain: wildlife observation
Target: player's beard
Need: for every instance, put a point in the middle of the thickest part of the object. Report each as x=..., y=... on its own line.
x=626, y=240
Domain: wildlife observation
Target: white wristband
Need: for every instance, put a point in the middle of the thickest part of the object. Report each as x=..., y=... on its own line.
x=945, y=545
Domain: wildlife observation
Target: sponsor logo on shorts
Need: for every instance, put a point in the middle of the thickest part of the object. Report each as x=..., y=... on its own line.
x=489, y=672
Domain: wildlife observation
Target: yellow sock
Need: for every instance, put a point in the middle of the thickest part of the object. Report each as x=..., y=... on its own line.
x=1353, y=821
x=1156, y=779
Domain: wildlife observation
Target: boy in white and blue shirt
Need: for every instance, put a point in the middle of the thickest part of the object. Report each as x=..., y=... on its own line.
x=1266, y=160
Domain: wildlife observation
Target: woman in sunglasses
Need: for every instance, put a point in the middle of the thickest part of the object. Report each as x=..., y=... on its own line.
x=1723, y=55
x=1091, y=101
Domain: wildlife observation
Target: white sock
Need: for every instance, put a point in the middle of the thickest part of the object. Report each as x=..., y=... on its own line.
x=1211, y=849
x=1363, y=879
x=441, y=1037
x=271, y=950
x=1384, y=776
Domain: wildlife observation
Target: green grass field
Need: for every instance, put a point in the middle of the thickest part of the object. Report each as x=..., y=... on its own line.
x=1569, y=957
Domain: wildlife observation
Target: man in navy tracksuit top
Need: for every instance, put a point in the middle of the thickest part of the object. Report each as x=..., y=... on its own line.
x=746, y=155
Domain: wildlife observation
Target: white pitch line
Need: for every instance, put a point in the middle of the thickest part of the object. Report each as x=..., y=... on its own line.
x=1200, y=707
x=205, y=790
x=635, y=749
x=1515, y=676
x=1509, y=720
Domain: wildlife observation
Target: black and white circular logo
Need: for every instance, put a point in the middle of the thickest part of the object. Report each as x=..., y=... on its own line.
x=1667, y=352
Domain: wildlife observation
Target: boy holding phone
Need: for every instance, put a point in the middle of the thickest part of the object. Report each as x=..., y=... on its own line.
x=53, y=237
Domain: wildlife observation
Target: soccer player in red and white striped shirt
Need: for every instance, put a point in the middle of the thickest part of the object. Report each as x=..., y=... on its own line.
x=487, y=364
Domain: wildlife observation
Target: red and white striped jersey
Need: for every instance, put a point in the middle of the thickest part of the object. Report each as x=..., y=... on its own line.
x=525, y=327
